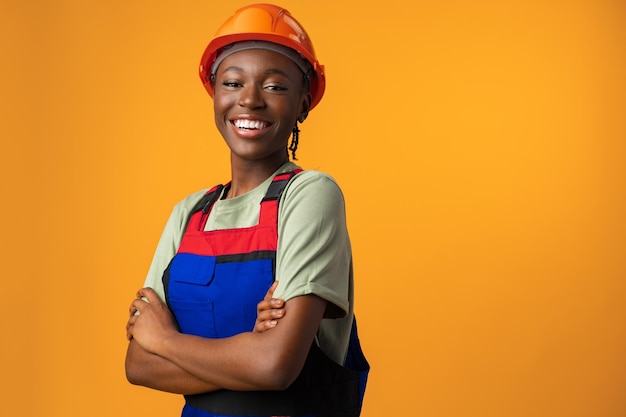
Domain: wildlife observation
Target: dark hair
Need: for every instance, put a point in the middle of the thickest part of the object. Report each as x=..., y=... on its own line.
x=295, y=136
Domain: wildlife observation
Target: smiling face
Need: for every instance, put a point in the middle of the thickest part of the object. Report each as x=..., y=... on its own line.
x=259, y=96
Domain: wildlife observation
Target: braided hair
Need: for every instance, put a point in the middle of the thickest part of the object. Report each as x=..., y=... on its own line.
x=295, y=136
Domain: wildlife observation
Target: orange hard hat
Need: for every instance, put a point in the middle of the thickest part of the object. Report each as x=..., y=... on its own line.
x=269, y=23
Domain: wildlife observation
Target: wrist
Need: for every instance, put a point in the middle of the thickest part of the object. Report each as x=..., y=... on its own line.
x=167, y=342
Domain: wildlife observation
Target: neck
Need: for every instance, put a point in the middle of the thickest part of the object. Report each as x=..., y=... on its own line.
x=246, y=175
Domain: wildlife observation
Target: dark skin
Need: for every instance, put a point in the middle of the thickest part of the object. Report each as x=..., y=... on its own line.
x=259, y=95
x=269, y=90
x=166, y=376
x=269, y=311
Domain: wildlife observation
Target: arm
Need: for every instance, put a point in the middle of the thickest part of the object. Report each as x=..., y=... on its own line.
x=258, y=361
x=153, y=371
x=248, y=361
x=147, y=369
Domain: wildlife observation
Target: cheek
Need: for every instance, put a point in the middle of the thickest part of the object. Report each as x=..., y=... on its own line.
x=220, y=101
x=220, y=105
x=290, y=107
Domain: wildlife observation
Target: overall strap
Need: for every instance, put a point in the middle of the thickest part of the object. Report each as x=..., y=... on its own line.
x=268, y=212
x=269, y=204
x=279, y=182
x=203, y=206
x=274, y=192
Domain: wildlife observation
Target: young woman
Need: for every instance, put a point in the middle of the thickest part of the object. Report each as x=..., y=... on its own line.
x=272, y=227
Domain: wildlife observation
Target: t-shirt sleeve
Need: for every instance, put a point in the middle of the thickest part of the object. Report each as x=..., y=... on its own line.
x=314, y=253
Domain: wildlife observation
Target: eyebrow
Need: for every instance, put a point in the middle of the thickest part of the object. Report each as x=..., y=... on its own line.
x=277, y=71
x=267, y=71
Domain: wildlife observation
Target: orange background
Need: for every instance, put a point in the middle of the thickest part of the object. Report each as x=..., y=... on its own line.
x=480, y=146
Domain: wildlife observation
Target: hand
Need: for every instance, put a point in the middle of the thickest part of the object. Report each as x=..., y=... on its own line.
x=269, y=311
x=151, y=321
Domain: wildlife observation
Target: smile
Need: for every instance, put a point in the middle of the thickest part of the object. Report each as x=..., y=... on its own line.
x=250, y=124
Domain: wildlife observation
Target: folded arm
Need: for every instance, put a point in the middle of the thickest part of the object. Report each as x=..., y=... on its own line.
x=153, y=371
x=160, y=357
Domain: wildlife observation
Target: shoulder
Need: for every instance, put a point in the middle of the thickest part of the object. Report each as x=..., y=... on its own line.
x=188, y=203
x=182, y=210
x=314, y=200
x=313, y=185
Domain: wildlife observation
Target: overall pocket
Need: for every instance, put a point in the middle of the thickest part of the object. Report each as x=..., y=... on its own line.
x=189, y=293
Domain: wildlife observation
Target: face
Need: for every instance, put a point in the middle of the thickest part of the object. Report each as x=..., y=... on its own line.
x=259, y=96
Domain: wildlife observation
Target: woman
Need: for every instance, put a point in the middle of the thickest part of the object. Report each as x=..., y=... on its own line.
x=190, y=328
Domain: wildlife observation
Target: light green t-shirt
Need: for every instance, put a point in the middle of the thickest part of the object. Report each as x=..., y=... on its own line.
x=313, y=256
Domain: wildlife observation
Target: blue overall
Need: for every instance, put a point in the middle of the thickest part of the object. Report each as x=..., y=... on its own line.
x=213, y=285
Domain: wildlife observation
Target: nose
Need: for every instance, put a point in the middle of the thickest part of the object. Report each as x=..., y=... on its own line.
x=251, y=97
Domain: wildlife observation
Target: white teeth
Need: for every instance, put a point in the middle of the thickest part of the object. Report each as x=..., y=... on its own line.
x=249, y=124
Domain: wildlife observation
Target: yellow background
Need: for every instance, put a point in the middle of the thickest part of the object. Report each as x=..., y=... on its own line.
x=480, y=146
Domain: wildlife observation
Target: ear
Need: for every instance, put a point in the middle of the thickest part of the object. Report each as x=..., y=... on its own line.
x=306, y=105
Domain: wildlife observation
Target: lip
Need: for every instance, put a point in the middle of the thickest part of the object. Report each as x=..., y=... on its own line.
x=249, y=133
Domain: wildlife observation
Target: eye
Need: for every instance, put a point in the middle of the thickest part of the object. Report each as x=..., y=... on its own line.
x=231, y=84
x=275, y=87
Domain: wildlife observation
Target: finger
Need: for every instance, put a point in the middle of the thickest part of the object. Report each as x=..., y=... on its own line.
x=266, y=317
x=277, y=303
x=270, y=292
x=277, y=313
x=262, y=326
x=132, y=310
x=130, y=324
x=271, y=304
x=148, y=294
x=131, y=321
x=129, y=327
x=262, y=306
x=137, y=306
